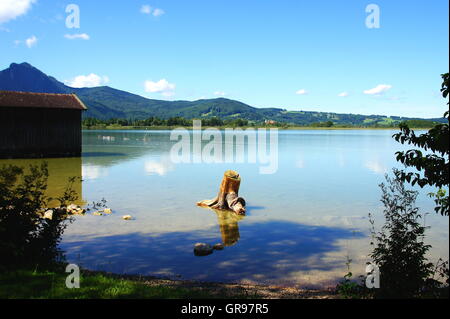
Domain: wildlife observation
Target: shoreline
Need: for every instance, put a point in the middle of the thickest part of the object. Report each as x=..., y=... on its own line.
x=47, y=284
x=290, y=128
x=226, y=290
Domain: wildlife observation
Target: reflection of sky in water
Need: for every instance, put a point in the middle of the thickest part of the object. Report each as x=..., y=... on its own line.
x=159, y=166
x=301, y=224
x=93, y=172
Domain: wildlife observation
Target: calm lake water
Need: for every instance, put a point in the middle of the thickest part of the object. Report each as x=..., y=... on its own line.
x=301, y=225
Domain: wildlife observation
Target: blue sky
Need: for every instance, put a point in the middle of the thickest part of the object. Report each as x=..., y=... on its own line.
x=299, y=55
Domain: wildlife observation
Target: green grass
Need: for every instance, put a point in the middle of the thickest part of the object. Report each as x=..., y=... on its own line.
x=50, y=285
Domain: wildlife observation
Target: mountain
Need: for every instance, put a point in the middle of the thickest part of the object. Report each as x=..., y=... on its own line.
x=25, y=77
x=105, y=102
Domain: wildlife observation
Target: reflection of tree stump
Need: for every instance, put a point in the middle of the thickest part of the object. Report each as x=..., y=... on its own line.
x=228, y=195
x=229, y=229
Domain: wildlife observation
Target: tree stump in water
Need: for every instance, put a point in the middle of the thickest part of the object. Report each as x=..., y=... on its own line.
x=228, y=195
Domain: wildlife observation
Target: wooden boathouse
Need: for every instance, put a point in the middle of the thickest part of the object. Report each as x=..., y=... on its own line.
x=36, y=125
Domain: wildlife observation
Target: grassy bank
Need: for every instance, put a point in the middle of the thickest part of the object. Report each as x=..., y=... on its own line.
x=51, y=285
x=98, y=285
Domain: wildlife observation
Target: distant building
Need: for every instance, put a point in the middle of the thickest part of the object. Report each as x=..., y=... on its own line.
x=270, y=122
x=40, y=125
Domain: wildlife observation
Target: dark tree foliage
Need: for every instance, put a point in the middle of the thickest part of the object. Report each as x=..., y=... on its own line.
x=399, y=248
x=323, y=124
x=173, y=121
x=27, y=240
x=435, y=166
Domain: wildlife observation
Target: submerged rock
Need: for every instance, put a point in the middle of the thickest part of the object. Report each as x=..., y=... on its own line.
x=98, y=214
x=218, y=246
x=72, y=208
x=75, y=210
x=127, y=217
x=107, y=211
x=201, y=249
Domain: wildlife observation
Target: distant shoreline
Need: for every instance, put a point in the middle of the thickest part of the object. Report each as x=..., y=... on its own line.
x=289, y=128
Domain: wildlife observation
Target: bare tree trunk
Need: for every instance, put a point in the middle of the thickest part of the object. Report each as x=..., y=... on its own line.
x=228, y=195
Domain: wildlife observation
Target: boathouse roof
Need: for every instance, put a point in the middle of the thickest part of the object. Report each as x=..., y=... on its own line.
x=40, y=100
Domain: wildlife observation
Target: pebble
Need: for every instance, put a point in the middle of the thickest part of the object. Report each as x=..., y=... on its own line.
x=48, y=214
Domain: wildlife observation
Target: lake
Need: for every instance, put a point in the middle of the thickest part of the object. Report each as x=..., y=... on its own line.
x=302, y=224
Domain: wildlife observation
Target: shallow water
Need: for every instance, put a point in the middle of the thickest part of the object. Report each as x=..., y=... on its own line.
x=301, y=225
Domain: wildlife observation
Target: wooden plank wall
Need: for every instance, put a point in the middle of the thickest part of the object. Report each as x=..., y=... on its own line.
x=34, y=133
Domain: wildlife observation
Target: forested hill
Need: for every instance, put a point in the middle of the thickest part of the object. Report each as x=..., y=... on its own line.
x=106, y=103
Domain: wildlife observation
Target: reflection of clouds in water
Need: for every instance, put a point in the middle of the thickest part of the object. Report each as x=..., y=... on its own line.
x=376, y=167
x=106, y=138
x=93, y=171
x=348, y=221
x=300, y=160
x=341, y=159
x=161, y=167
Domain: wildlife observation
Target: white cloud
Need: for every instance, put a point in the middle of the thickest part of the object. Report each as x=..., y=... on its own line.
x=378, y=90
x=343, y=94
x=301, y=92
x=82, y=36
x=376, y=167
x=158, y=12
x=220, y=93
x=31, y=41
x=90, y=80
x=146, y=9
x=11, y=9
x=162, y=86
x=160, y=168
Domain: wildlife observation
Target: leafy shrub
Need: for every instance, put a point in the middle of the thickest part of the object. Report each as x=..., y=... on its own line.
x=27, y=239
x=349, y=288
x=399, y=248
